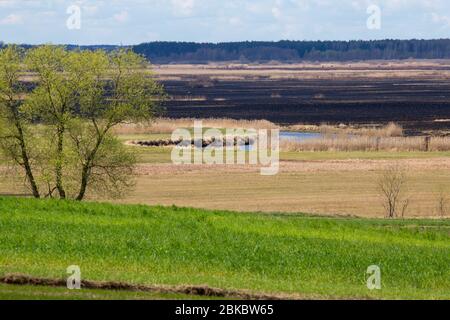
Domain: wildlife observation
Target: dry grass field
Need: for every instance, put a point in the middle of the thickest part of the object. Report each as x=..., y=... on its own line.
x=341, y=187
x=366, y=143
x=307, y=70
x=167, y=126
x=327, y=186
x=320, y=182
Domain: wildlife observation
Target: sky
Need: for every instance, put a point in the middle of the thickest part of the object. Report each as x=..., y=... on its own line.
x=128, y=22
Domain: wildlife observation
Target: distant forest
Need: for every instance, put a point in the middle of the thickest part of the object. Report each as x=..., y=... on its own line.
x=286, y=51
x=292, y=51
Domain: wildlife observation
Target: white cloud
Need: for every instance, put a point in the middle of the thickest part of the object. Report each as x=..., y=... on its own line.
x=183, y=7
x=255, y=8
x=121, y=16
x=8, y=3
x=90, y=9
x=440, y=19
x=235, y=21
x=276, y=9
x=276, y=12
x=12, y=19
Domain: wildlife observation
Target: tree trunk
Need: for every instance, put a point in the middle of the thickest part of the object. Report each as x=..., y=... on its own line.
x=86, y=172
x=84, y=182
x=24, y=153
x=26, y=162
x=59, y=160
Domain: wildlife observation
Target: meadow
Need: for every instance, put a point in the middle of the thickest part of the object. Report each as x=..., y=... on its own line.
x=340, y=187
x=309, y=232
x=340, y=182
x=298, y=255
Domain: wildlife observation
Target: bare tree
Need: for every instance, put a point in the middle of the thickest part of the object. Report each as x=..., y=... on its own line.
x=391, y=184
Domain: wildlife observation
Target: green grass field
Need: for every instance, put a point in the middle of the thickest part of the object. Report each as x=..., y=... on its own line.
x=313, y=257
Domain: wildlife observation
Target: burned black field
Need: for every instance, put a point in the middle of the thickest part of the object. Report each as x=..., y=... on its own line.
x=416, y=104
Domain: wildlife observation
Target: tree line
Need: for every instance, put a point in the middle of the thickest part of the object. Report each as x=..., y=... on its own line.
x=283, y=51
x=291, y=51
x=59, y=132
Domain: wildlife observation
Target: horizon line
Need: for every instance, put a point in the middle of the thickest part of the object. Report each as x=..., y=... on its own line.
x=220, y=42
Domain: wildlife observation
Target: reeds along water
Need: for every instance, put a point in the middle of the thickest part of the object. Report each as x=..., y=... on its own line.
x=166, y=125
x=366, y=143
x=390, y=130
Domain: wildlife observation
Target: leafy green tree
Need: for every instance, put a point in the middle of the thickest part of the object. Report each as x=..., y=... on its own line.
x=106, y=167
x=78, y=97
x=53, y=101
x=113, y=90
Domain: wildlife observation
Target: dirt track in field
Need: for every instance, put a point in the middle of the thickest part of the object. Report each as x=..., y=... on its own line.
x=203, y=291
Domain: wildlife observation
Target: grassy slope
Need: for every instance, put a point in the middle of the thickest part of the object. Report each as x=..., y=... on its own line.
x=311, y=256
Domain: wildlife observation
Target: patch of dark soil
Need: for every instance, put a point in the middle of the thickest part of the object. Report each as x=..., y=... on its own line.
x=414, y=103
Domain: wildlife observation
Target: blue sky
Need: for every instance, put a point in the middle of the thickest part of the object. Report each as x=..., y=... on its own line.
x=136, y=21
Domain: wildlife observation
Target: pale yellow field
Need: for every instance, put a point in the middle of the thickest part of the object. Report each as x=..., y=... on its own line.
x=307, y=70
x=344, y=187
x=329, y=183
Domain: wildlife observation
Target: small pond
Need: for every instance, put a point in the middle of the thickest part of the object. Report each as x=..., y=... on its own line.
x=291, y=136
x=299, y=136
